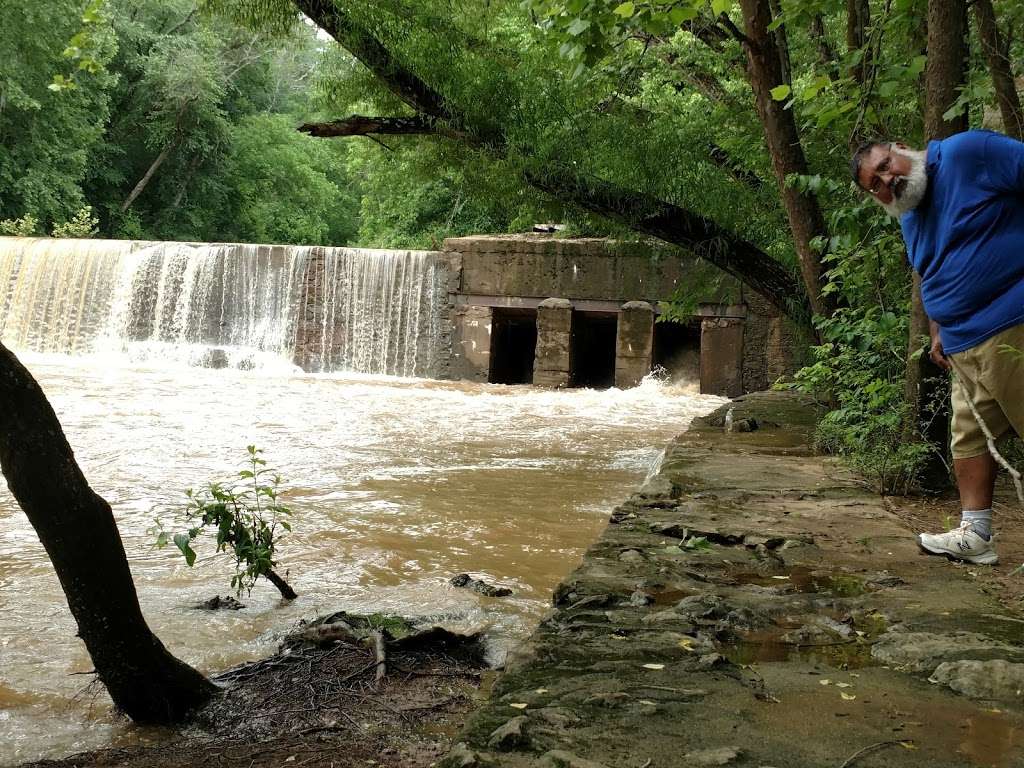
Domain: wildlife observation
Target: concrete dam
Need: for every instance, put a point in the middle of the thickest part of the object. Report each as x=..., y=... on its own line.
x=513, y=309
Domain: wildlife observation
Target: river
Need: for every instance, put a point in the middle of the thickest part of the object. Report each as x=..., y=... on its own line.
x=396, y=485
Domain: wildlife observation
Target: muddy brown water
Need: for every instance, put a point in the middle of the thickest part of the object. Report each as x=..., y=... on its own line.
x=396, y=485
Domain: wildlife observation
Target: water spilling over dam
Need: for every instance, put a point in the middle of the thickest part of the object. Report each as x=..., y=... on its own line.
x=228, y=305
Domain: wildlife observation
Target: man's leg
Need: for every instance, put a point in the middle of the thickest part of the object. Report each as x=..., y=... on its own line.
x=974, y=467
x=976, y=479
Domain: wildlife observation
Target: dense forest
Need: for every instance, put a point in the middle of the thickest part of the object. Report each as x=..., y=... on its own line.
x=722, y=127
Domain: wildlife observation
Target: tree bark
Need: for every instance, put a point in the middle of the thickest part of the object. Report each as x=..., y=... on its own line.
x=282, y=586
x=858, y=19
x=997, y=53
x=78, y=531
x=826, y=55
x=765, y=71
x=926, y=383
x=360, y=125
x=781, y=42
x=140, y=187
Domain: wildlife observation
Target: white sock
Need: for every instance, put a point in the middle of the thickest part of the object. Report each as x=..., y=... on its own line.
x=980, y=520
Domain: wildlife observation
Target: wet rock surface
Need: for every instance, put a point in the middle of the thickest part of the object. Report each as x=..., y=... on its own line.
x=749, y=607
x=218, y=603
x=464, y=580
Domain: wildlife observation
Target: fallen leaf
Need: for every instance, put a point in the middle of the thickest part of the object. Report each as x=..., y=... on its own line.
x=686, y=643
x=843, y=685
x=518, y=705
x=654, y=666
x=648, y=701
x=825, y=681
x=847, y=696
x=781, y=578
x=541, y=690
x=908, y=745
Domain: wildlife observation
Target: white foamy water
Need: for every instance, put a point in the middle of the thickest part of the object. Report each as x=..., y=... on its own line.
x=224, y=305
x=396, y=484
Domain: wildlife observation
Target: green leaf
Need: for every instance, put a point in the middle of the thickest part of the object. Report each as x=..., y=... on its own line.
x=721, y=6
x=183, y=542
x=780, y=92
x=917, y=65
x=578, y=27
x=625, y=10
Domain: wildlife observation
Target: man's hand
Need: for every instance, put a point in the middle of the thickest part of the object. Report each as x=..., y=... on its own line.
x=936, y=354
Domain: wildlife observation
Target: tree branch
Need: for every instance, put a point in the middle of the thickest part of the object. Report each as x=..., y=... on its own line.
x=642, y=212
x=361, y=125
x=673, y=224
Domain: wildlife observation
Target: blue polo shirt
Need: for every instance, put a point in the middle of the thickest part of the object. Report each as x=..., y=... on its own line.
x=966, y=237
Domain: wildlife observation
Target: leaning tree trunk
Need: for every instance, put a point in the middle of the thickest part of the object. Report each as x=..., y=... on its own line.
x=78, y=531
x=997, y=53
x=927, y=385
x=766, y=71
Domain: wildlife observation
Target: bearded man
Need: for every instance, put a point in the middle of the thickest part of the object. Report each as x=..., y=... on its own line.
x=961, y=208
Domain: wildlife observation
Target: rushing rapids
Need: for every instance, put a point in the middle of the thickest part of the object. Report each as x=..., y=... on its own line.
x=239, y=306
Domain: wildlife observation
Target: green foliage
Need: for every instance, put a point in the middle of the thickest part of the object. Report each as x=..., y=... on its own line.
x=247, y=515
x=860, y=370
x=86, y=48
x=82, y=224
x=26, y=226
x=289, y=187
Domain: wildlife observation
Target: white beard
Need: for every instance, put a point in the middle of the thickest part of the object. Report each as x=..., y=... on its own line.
x=909, y=189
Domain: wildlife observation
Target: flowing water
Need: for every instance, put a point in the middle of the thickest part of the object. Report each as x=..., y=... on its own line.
x=229, y=305
x=396, y=484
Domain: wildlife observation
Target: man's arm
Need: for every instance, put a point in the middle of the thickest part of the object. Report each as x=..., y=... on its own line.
x=1004, y=163
x=936, y=354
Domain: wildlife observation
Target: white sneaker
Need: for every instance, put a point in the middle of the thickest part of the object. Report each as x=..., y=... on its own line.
x=961, y=544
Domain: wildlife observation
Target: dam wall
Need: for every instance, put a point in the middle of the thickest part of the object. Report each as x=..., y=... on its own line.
x=510, y=309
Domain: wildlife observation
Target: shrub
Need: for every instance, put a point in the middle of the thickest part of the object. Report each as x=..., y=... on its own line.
x=249, y=519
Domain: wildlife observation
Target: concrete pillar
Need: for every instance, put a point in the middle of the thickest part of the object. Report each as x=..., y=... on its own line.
x=552, y=362
x=634, y=343
x=471, y=343
x=721, y=356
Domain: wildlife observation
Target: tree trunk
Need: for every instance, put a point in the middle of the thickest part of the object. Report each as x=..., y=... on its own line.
x=150, y=172
x=858, y=19
x=282, y=586
x=826, y=56
x=927, y=384
x=781, y=42
x=997, y=53
x=78, y=531
x=764, y=66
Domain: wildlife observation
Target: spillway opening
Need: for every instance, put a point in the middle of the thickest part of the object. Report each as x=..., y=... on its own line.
x=593, y=349
x=513, y=345
x=677, y=350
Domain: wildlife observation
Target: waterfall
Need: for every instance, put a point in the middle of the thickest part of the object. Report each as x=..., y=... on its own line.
x=242, y=306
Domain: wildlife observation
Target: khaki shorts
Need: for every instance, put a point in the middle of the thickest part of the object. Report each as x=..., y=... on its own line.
x=995, y=382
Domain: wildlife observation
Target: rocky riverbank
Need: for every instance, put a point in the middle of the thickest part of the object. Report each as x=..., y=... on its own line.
x=753, y=606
